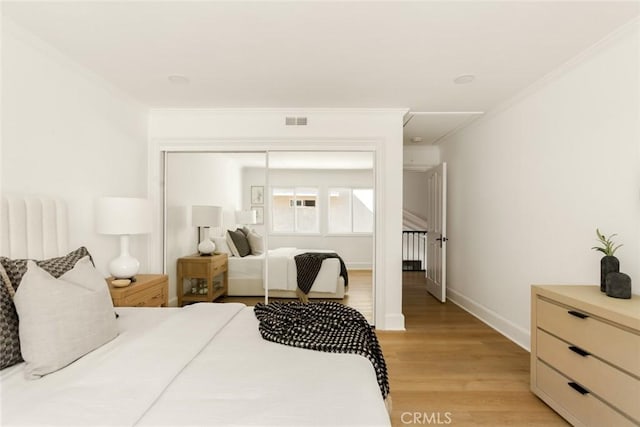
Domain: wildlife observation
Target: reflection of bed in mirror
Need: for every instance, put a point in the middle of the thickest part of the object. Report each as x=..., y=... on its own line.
x=246, y=275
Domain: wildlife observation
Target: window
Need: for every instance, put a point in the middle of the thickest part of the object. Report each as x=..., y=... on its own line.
x=294, y=210
x=350, y=210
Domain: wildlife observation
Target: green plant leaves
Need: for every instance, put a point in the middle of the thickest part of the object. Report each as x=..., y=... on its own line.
x=607, y=247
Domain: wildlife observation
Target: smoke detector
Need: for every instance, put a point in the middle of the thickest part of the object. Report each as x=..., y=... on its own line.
x=177, y=79
x=464, y=79
x=416, y=139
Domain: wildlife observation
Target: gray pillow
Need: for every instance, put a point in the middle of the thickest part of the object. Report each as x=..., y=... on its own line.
x=62, y=319
x=16, y=268
x=240, y=242
x=9, y=338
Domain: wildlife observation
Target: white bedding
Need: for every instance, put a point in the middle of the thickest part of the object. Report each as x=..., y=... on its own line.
x=282, y=271
x=205, y=364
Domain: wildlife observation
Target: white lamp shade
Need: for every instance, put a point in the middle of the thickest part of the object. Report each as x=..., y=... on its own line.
x=206, y=216
x=123, y=215
x=246, y=217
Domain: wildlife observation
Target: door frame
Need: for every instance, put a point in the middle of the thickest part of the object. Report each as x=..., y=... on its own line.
x=158, y=147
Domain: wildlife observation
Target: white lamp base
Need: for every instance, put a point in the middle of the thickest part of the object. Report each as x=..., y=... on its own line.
x=206, y=247
x=124, y=266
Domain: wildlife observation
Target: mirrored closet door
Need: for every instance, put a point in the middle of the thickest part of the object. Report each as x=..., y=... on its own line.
x=321, y=226
x=214, y=220
x=283, y=225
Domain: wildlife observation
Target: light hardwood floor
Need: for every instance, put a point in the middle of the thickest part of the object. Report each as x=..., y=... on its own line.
x=359, y=296
x=450, y=367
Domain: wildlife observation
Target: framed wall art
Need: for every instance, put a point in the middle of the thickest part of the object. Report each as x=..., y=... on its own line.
x=257, y=195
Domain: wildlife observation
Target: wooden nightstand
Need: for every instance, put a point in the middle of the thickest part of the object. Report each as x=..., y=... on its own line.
x=210, y=271
x=149, y=290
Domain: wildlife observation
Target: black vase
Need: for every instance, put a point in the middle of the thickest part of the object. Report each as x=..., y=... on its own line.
x=618, y=285
x=608, y=264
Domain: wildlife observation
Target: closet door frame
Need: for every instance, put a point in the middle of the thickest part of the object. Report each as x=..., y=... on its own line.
x=158, y=148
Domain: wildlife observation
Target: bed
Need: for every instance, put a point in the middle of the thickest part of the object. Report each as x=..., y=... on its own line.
x=205, y=364
x=246, y=275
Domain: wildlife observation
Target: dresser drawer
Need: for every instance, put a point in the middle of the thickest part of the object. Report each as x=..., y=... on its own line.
x=153, y=297
x=587, y=408
x=600, y=378
x=618, y=346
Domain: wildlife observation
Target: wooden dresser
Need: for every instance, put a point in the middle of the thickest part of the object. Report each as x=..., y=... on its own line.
x=585, y=354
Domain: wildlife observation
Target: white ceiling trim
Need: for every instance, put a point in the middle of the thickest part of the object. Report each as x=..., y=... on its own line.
x=631, y=26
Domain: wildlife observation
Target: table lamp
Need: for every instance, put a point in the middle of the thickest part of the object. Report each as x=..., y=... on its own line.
x=206, y=216
x=123, y=216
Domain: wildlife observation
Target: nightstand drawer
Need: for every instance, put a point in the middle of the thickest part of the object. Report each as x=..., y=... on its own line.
x=593, y=412
x=220, y=262
x=219, y=269
x=196, y=270
x=614, y=344
x=153, y=297
x=592, y=373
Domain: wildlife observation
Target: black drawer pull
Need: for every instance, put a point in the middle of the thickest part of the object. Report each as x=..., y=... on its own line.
x=579, y=351
x=577, y=387
x=578, y=314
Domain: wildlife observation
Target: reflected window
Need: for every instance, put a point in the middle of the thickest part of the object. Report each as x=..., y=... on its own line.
x=294, y=210
x=350, y=210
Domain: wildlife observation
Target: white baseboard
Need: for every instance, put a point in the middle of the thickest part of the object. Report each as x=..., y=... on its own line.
x=515, y=333
x=393, y=322
x=358, y=265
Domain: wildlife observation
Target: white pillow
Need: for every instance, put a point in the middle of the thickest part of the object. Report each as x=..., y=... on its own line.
x=232, y=246
x=256, y=242
x=221, y=245
x=62, y=319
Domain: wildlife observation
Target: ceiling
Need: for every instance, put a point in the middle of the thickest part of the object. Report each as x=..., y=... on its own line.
x=324, y=53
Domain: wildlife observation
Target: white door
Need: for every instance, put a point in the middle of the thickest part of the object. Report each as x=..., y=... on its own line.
x=436, y=271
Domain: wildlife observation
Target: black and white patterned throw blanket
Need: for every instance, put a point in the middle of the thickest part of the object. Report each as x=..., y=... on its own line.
x=308, y=266
x=323, y=326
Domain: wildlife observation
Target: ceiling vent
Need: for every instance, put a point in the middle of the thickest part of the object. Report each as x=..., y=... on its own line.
x=295, y=121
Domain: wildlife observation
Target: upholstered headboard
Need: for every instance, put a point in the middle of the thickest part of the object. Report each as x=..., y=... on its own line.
x=33, y=227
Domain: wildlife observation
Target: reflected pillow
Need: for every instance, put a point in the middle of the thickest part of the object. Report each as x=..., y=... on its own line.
x=240, y=243
x=230, y=244
x=62, y=319
x=256, y=242
x=221, y=245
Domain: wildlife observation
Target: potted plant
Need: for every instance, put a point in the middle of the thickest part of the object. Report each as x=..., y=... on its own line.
x=608, y=263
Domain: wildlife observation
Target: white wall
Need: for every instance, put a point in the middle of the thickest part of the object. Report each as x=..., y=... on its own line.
x=414, y=196
x=355, y=250
x=197, y=179
x=421, y=156
x=529, y=184
x=328, y=129
x=66, y=133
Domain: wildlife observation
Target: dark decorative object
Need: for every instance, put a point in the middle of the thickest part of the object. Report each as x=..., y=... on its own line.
x=609, y=263
x=618, y=285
